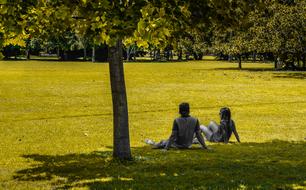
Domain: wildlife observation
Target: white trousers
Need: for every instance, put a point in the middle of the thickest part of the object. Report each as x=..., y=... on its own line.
x=209, y=130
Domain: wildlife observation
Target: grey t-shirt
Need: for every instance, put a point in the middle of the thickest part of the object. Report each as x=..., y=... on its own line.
x=183, y=131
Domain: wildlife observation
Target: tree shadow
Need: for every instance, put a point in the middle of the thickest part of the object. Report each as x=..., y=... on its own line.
x=246, y=69
x=270, y=165
x=295, y=75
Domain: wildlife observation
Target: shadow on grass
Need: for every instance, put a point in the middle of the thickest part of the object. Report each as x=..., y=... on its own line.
x=300, y=74
x=271, y=165
x=296, y=75
x=51, y=59
x=245, y=69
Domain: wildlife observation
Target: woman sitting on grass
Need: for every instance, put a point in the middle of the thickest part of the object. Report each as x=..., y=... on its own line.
x=221, y=133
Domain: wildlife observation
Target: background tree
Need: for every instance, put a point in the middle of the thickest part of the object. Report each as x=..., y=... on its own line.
x=279, y=28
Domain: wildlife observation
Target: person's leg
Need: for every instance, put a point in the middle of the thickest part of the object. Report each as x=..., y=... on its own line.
x=213, y=126
x=150, y=142
x=161, y=144
x=207, y=133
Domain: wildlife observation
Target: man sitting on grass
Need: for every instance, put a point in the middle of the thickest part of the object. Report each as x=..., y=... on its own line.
x=183, y=131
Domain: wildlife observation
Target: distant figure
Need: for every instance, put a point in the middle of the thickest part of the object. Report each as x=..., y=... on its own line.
x=221, y=133
x=183, y=131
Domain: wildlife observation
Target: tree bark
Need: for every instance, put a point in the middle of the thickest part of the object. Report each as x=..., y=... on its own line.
x=276, y=60
x=167, y=53
x=180, y=55
x=275, y=64
x=27, y=50
x=58, y=52
x=93, y=56
x=187, y=56
x=128, y=53
x=239, y=63
x=200, y=56
x=85, y=54
x=28, y=54
x=195, y=56
x=151, y=55
x=65, y=55
x=254, y=57
x=230, y=58
x=154, y=54
x=120, y=109
x=157, y=55
x=171, y=55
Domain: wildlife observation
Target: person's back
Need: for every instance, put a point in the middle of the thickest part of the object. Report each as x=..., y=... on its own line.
x=225, y=131
x=229, y=127
x=186, y=127
x=183, y=130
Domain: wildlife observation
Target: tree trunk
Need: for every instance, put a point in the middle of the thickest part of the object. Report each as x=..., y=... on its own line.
x=200, y=56
x=171, y=55
x=298, y=58
x=154, y=54
x=151, y=55
x=167, y=52
x=187, y=56
x=28, y=54
x=85, y=54
x=58, y=52
x=65, y=55
x=275, y=64
x=254, y=57
x=134, y=54
x=157, y=55
x=120, y=109
x=128, y=52
x=304, y=61
x=93, y=56
x=239, y=63
x=180, y=55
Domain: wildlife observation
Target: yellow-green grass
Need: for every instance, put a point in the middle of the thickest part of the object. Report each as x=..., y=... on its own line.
x=56, y=126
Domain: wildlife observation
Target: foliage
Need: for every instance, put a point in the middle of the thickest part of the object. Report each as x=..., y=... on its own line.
x=159, y=20
x=224, y=26
x=276, y=27
x=280, y=29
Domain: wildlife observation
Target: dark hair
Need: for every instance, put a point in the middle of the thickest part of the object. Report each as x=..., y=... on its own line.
x=225, y=114
x=184, y=109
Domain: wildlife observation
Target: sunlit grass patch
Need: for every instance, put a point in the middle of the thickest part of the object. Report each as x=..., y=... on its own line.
x=56, y=126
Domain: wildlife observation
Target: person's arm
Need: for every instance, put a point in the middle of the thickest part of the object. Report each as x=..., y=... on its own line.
x=173, y=135
x=199, y=135
x=235, y=131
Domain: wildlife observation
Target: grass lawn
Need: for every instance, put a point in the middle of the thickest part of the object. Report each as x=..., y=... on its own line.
x=56, y=126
